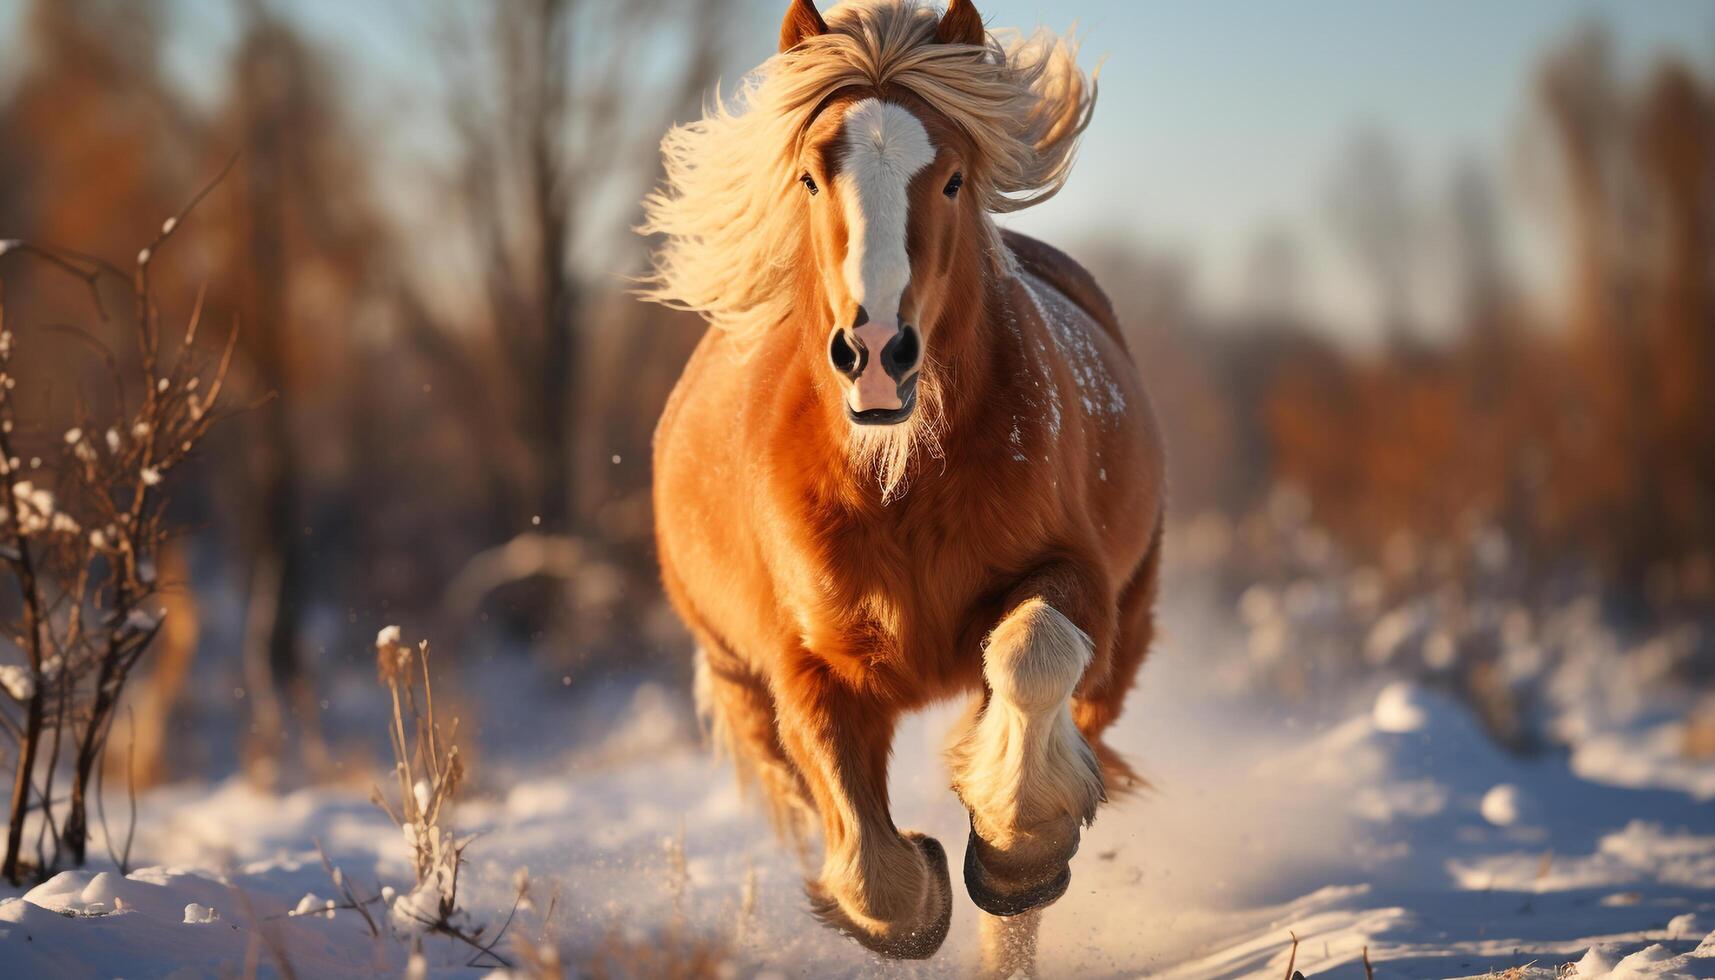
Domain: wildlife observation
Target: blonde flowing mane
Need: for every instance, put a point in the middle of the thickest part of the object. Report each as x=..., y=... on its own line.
x=732, y=242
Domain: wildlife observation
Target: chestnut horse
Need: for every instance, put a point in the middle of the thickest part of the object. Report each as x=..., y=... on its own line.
x=911, y=459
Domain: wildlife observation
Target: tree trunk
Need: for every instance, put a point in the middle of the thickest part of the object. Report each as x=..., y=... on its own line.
x=21, y=786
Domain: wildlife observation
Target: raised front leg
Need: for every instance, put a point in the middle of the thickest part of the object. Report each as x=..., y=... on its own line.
x=1021, y=766
x=890, y=891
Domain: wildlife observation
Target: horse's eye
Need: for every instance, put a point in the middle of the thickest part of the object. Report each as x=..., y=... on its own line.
x=953, y=185
x=809, y=183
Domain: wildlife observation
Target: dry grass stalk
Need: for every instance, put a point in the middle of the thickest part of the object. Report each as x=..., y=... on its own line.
x=674, y=955
x=429, y=770
x=746, y=904
x=677, y=952
x=263, y=937
x=537, y=955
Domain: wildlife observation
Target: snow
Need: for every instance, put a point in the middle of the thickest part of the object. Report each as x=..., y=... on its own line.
x=17, y=681
x=313, y=904
x=1647, y=756
x=1505, y=805
x=1387, y=819
x=1072, y=331
x=199, y=914
x=36, y=511
x=1399, y=709
x=412, y=912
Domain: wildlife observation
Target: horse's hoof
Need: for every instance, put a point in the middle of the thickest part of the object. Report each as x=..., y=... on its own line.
x=905, y=940
x=1006, y=895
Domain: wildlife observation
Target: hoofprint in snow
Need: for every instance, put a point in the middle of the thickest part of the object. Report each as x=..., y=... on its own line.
x=1394, y=824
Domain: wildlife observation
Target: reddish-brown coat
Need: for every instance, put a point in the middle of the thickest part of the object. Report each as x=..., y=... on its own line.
x=824, y=613
x=775, y=550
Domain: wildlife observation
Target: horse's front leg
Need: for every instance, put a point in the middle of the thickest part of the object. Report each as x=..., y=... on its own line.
x=1028, y=777
x=890, y=891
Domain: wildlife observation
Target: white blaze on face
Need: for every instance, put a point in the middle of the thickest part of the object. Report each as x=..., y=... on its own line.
x=884, y=146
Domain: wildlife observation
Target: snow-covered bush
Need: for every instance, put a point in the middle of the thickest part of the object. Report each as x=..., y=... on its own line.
x=1531, y=645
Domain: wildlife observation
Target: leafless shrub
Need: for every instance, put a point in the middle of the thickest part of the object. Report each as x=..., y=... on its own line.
x=82, y=519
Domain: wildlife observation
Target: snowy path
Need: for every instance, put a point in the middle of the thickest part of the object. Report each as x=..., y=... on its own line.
x=1379, y=825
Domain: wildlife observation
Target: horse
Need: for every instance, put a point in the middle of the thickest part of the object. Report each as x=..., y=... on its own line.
x=910, y=459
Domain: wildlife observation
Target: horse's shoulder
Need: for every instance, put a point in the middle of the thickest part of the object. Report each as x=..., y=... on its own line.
x=1062, y=272
x=681, y=390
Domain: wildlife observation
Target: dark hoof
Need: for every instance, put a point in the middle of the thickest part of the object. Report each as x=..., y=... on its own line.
x=1000, y=897
x=907, y=941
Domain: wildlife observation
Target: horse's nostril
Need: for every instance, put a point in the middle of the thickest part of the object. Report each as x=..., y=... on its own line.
x=842, y=354
x=901, y=353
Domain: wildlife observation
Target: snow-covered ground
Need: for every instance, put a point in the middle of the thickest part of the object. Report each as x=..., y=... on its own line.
x=1385, y=819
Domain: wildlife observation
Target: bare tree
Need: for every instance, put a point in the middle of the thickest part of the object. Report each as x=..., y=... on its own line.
x=1584, y=113
x=1479, y=249
x=1674, y=145
x=556, y=109
x=1373, y=216
x=1274, y=278
x=305, y=235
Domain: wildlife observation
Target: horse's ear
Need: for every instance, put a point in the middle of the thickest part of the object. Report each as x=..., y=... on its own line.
x=802, y=22
x=961, y=24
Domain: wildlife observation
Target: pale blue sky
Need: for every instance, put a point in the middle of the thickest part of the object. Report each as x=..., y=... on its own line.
x=1217, y=118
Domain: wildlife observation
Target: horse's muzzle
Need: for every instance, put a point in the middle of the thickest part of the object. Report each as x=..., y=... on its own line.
x=880, y=363
x=888, y=416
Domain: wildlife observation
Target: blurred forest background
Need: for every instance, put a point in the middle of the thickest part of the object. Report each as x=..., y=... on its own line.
x=432, y=289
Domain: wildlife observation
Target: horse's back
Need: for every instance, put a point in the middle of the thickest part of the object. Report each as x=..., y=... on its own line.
x=1064, y=274
x=1120, y=449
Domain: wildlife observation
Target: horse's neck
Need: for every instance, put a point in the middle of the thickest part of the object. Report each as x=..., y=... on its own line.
x=976, y=359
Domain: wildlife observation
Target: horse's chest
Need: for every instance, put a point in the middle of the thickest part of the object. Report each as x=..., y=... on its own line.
x=913, y=599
